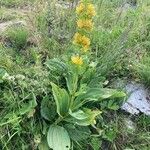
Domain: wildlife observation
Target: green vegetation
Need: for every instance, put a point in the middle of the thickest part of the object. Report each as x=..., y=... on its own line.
x=51, y=92
x=5, y=15
x=17, y=37
x=143, y=69
x=15, y=3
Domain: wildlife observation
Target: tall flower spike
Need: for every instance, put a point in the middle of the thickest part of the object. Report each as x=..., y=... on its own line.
x=85, y=12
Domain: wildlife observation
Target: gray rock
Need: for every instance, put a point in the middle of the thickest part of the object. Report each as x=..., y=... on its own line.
x=139, y=99
x=127, y=6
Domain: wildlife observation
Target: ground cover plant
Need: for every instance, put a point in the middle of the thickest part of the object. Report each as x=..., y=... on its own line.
x=63, y=68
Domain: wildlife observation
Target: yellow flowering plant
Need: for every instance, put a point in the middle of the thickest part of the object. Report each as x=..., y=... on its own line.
x=85, y=12
x=73, y=86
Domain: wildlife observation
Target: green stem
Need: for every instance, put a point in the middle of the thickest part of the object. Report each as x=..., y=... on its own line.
x=72, y=99
x=59, y=120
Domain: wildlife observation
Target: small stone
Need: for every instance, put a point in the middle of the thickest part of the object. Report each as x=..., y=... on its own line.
x=138, y=100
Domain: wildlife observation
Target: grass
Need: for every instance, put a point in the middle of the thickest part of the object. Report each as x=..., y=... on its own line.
x=120, y=44
x=17, y=37
x=15, y=3
x=143, y=70
x=6, y=16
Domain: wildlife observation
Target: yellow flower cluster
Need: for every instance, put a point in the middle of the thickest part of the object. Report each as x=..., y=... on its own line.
x=85, y=12
x=91, y=10
x=77, y=60
x=88, y=9
x=82, y=40
x=86, y=24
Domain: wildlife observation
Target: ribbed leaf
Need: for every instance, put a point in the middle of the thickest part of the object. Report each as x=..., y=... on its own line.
x=56, y=66
x=58, y=138
x=72, y=79
x=48, y=109
x=83, y=117
x=95, y=94
x=77, y=133
x=62, y=99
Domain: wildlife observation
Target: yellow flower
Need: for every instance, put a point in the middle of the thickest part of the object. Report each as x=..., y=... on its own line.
x=77, y=38
x=82, y=40
x=85, y=41
x=91, y=10
x=87, y=24
x=80, y=8
x=77, y=60
x=88, y=9
x=80, y=23
x=86, y=48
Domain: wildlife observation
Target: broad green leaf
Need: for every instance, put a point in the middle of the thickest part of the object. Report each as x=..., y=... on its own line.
x=56, y=66
x=58, y=138
x=95, y=94
x=72, y=80
x=57, y=69
x=48, y=109
x=62, y=99
x=83, y=117
x=77, y=133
